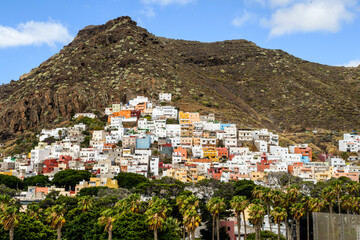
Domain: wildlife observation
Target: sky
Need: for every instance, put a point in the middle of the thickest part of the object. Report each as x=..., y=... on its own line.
x=322, y=31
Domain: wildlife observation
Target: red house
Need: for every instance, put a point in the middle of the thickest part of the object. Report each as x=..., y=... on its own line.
x=49, y=165
x=263, y=164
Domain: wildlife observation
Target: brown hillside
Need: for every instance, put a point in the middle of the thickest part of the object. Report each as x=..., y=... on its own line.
x=236, y=79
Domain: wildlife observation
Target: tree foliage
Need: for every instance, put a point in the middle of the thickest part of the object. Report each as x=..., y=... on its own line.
x=130, y=180
x=70, y=177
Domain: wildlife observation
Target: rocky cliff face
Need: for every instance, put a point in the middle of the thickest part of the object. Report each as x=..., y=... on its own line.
x=237, y=80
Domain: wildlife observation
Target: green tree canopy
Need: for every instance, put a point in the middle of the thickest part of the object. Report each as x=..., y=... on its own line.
x=69, y=178
x=38, y=180
x=244, y=188
x=90, y=191
x=130, y=180
x=11, y=182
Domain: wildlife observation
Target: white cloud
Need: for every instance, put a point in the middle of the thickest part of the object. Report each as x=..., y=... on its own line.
x=34, y=33
x=148, y=11
x=277, y=3
x=311, y=16
x=352, y=63
x=241, y=20
x=168, y=2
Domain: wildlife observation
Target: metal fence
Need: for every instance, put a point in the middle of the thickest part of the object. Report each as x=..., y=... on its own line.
x=336, y=226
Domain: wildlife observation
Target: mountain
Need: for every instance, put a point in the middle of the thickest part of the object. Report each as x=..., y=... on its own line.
x=236, y=79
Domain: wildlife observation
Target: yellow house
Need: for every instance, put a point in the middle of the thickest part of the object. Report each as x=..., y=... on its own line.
x=186, y=141
x=255, y=176
x=103, y=182
x=211, y=153
x=321, y=176
x=184, y=175
x=186, y=130
x=7, y=173
x=189, y=117
x=196, y=141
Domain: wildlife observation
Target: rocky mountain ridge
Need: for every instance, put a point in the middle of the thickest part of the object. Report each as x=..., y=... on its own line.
x=237, y=80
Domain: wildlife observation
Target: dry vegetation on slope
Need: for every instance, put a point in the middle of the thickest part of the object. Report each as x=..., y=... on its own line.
x=237, y=80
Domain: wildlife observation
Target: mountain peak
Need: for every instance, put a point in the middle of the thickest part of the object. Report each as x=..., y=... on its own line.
x=235, y=79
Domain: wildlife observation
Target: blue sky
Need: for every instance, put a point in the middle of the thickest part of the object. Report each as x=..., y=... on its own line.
x=323, y=31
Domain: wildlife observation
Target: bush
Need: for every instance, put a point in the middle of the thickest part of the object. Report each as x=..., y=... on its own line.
x=130, y=180
x=11, y=182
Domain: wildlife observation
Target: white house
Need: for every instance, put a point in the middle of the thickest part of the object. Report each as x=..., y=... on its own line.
x=89, y=115
x=165, y=97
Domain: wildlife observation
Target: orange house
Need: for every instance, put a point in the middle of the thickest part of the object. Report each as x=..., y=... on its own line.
x=295, y=165
x=222, y=152
x=181, y=151
x=305, y=151
x=126, y=113
x=141, y=107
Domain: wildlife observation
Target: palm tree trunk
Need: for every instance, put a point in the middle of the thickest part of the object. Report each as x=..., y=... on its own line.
x=193, y=235
x=184, y=233
x=11, y=233
x=110, y=235
x=338, y=197
x=256, y=232
x=213, y=228
x=268, y=213
x=239, y=224
x=58, y=231
x=286, y=228
x=278, y=231
x=298, y=229
x=308, y=225
x=218, y=227
x=155, y=234
x=348, y=211
x=244, y=224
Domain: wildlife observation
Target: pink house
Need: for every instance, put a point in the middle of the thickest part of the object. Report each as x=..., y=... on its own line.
x=353, y=176
x=230, y=228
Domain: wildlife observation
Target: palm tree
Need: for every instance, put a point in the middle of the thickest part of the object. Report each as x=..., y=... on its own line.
x=5, y=201
x=277, y=197
x=172, y=224
x=316, y=205
x=297, y=210
x=356, y=205
x=346, y=203
x=34, y=211
x=191, y=221
x=353, y=188
x=9, y=219
x=337, y=188
x=257, y=213
x=306, y=201
x=215, y=206
x=55, y=216
x=267, y=198
x=279, y=214
x=292, y=193
x=107, y=220
x=239, y=204
x=156, y=214
x=85, y=203
x=180, y=202
x=328, y=196
x=133, y=202
x=185, y=204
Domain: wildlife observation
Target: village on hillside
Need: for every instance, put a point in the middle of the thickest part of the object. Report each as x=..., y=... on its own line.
x=161, y=141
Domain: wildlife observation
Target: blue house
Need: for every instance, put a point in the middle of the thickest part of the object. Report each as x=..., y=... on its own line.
x=223, y=125
x=143, y=143
x=305, y=159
